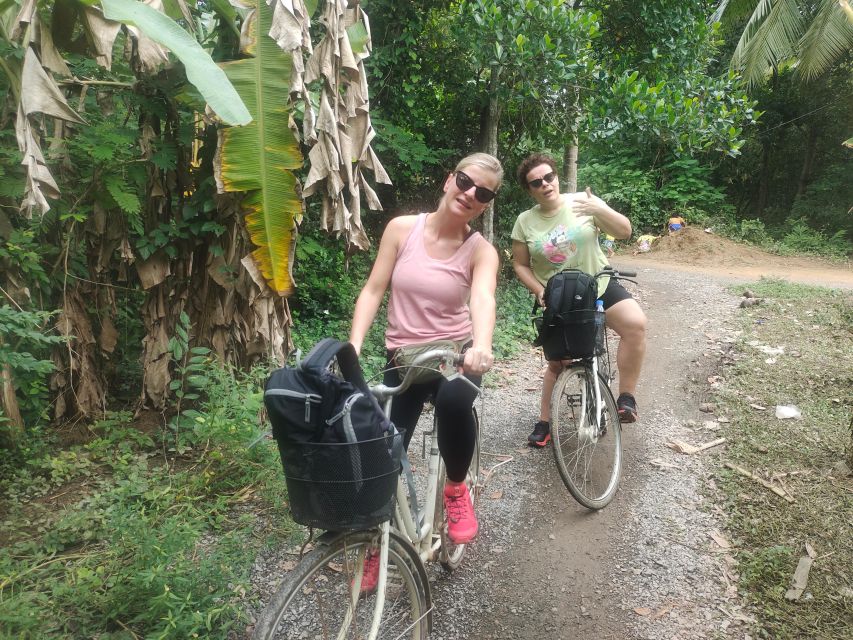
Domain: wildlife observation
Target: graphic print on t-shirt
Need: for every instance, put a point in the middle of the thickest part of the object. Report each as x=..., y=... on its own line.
x=560, y=244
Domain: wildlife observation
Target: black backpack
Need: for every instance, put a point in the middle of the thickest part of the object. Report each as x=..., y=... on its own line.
x=340, y=453
x=567, y=327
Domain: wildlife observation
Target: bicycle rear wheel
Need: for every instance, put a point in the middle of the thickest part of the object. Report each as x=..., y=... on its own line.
x=450, y=554
x=314, y=599
x=587, y=448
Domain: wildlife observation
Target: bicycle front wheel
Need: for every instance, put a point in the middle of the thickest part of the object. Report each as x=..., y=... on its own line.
x=316, y=600
x=587, y=447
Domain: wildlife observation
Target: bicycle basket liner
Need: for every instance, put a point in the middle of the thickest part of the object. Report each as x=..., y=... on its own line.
x=328, y=489
x=567, y=328
x=337, y=447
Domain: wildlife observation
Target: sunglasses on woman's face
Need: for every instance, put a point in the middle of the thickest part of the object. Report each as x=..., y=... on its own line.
x=464, y=183
x=548, y=177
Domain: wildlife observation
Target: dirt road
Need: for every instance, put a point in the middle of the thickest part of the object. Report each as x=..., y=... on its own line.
x=648, y=566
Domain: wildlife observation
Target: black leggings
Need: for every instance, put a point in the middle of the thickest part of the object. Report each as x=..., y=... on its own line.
x=453, y=402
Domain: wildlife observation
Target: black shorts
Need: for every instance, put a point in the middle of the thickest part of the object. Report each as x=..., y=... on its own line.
x=614, y=293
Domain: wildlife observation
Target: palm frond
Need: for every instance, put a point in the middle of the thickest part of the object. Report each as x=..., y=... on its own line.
x=829, y=37
x=770, y=37
x=733, y=10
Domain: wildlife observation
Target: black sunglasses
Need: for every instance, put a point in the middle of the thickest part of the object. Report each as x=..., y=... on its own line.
x=464, y=182
x=548, y=177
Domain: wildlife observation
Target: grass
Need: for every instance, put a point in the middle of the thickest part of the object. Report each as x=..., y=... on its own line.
x=122, y=538
x=805, y=457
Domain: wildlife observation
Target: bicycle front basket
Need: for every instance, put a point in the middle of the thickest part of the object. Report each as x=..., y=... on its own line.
x=342, y=486
x=572, y=337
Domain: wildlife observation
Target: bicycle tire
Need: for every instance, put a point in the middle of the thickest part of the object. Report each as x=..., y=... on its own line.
x=313, y=599
x=450, y=555
x=588, y=455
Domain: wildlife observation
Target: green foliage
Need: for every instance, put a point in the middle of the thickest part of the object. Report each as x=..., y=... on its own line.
x=158, y=550
x=752, y=231
x=405, y=154
x=826, y=201
x=679, y=116
x=771, y=567
x=201, y=71
x=24, y=348
x=190, y=378
x=649, y=197
x=329, y=283
x=513, y=329
x=800, y=238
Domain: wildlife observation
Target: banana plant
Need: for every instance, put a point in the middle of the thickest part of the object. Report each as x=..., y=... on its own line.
x=37, y=58
x=260, y=158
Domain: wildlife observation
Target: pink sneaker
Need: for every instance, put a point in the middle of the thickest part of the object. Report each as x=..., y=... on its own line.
x=461, y=522
x=370, y=577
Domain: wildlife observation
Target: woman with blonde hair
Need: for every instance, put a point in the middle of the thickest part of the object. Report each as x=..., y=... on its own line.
x=442, y=276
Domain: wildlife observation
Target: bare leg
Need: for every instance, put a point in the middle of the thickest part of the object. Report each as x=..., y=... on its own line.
x=548, y=382
x=627, y=319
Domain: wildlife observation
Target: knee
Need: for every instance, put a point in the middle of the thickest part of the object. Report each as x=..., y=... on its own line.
x=633, y=328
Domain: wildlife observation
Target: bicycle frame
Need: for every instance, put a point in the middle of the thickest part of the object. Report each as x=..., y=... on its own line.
x=417, y=528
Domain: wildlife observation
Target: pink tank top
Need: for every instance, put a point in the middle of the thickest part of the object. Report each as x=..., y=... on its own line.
x=429, y=297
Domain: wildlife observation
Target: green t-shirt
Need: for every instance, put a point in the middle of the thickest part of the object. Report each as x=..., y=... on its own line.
x=561, y=241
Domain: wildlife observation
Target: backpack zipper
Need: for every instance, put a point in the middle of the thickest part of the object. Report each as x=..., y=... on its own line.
x=309, y=398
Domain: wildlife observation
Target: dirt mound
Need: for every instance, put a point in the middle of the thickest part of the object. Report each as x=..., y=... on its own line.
x=693, y=245
x=692, y=249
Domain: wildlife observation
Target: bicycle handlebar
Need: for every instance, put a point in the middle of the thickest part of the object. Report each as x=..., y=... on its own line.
x=427, y=360
x=615, y=273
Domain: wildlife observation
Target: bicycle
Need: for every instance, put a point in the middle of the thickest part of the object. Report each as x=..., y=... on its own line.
x=322, y=597
x=585, y=429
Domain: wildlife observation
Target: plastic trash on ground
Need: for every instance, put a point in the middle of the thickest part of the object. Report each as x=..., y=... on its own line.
x=787, y=411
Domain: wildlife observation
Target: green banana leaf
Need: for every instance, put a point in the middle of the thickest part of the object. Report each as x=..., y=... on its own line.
x=261, y=157
x=201, y=70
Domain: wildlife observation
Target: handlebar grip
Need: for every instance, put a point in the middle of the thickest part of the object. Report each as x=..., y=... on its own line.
x=626, y=274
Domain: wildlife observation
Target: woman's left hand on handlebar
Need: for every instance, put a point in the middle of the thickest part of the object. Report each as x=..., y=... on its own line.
x=477, y=361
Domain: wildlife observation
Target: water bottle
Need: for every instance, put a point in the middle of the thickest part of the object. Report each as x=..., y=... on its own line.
x=599, y=327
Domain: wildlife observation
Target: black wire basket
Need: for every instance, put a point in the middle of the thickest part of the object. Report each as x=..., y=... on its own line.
x=342, y=486
x=575, y=336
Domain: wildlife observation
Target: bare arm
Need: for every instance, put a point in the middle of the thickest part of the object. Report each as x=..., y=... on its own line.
x=479, y=358
x=521, y=266
x=380, y=276
x=606, y=218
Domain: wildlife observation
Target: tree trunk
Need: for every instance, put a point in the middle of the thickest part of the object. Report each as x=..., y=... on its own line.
x=570, y=165
x=78, y=382
x=232, y=310
x=12, y=433
x=570, y=150
x=763, y=180
x=490, y=136
x=808, y=161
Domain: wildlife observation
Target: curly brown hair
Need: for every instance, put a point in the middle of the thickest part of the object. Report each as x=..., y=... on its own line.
x=533, y=160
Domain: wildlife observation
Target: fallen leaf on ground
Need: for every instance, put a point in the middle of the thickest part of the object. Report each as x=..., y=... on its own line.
x=662, y=612
x=758, y=407
x=663, y=464
x=718, y=537
x=496, y=495
x=684, y=447
x=800, y=578
x=642, y=611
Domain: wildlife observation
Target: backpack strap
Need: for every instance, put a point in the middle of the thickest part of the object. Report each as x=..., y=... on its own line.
x=328, y=348
x=554, y=291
